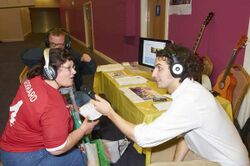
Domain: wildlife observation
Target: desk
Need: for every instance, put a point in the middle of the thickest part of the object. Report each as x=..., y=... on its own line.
x=139, y=112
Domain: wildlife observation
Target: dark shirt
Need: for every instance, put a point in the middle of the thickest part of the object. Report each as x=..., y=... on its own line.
x=33, y=56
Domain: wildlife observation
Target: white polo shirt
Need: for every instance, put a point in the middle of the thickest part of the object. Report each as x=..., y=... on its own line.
x=207, y=129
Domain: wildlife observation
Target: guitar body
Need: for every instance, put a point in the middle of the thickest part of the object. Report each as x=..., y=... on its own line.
x=225, y=89
x=208, y=65
x=226, y=82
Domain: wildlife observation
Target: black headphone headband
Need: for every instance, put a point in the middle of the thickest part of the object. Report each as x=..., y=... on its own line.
x=67, y=40
x=176, y=68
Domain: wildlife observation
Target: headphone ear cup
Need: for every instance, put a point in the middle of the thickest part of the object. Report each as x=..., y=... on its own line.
x=49, y=73
x=177, y=70
x=67, y=42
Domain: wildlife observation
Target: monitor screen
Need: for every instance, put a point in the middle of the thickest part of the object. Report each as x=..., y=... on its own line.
x=148, y=48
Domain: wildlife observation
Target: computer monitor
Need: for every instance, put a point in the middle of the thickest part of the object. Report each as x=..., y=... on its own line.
x=148, y=48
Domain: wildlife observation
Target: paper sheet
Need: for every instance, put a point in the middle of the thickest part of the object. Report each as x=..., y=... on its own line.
x=88, y=110
x=162, y=106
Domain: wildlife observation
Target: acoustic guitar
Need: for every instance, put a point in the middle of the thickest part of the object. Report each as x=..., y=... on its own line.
x=208, y=65
x=226, y=82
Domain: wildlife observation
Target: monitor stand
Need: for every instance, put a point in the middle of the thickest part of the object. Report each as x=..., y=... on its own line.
x=145, y=68
x=136, y=66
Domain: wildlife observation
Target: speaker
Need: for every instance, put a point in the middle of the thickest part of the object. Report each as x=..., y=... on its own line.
x=49, y=71
x=176, y=68
x=58, y=31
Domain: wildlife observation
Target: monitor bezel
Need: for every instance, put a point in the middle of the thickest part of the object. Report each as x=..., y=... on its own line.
x=141, y=43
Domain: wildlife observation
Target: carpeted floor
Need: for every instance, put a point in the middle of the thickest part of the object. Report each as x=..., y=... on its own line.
x=10, y=68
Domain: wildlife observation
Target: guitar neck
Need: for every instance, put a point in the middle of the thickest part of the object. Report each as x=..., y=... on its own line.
x=197, y=43
x=229, y=65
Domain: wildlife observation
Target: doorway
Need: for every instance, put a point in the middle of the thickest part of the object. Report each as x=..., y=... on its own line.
x=88, y=24
x=154, y=18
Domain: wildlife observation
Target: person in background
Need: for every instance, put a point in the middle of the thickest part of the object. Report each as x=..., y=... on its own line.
x=59, y=38
x=194, y=114
x=40, y=128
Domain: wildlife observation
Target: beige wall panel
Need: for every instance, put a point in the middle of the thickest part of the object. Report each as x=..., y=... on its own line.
x=3, y=3
x=10, y=29
x=25, y=21
x=47, y=3
x=16, y=3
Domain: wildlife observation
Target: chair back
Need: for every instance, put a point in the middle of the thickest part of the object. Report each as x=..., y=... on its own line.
x=242, y=85
x=23, y=74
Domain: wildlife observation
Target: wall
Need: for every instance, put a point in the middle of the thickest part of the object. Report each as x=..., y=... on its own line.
x=221, y=35
x=11, y=29
x=116, y=26
x=114, y=36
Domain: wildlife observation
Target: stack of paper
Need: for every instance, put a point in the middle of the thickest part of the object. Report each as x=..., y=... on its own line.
x=131, y=80
x=110, y=67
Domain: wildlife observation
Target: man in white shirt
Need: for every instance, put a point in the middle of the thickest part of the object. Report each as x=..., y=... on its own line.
x=194, y=113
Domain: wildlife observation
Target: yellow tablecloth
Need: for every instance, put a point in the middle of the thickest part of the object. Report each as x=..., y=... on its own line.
x=139, y=112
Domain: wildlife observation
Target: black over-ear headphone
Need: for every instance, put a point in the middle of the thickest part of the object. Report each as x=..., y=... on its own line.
x=49, y=71
x=67, y=40
x=176, y=68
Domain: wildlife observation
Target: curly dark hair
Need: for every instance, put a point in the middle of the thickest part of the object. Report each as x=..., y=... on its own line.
x=57, y=57
x=191, y=63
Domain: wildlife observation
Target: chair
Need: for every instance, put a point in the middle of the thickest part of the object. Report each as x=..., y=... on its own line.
x=23, y=74
x=242, y=85
x=164, y=154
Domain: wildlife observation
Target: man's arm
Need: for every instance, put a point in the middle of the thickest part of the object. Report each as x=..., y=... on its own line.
x=85, y=63
x=181, y=150
x=88, y=67
x=105, y=108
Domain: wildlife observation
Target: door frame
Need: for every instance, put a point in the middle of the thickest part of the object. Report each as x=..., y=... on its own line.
x=89, y=42
x=145, y=19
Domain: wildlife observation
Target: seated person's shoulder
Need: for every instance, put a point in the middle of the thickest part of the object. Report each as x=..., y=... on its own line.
x=32, y=56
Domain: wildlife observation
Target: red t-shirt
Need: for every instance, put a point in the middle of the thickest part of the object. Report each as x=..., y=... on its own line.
x=38, y=118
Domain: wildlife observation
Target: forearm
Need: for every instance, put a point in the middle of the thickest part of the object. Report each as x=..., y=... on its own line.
x=88, y=67
x=72, y=139
x=126, y=127
x=181, y=150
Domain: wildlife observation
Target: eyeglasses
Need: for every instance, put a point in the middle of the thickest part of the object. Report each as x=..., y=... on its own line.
x=54, y=45
x=70, y=68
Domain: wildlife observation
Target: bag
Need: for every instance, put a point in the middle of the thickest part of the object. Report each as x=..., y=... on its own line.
x=115, y=149
x=94, y=148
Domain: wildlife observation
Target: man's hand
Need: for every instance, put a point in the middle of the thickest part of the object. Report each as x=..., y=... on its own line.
x=102, y=106
x=85, y=58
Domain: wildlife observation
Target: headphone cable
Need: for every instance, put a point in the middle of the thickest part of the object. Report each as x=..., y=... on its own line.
x=57, y=83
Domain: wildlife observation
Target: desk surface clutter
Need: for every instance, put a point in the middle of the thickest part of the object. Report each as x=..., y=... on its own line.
x=135, y=96
x=134, y=87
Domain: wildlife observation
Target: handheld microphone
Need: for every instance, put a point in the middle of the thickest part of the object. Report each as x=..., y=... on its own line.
x=89, y=92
